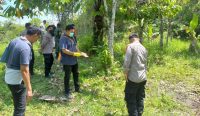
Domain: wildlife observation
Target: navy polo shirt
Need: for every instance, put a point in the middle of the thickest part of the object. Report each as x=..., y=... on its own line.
x=68, y=43
x=20, y=53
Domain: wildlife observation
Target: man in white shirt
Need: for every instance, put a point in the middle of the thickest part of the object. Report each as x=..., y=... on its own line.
x=135, y=67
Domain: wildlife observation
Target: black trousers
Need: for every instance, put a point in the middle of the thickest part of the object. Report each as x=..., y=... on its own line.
x=56, y=53
x=48, y=61
x=57, y=49
x=31, y=65
x=134, y=97
x=19, y=99
x=68, y=69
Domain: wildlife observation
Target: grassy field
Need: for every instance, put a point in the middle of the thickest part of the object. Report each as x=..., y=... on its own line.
x=173, y=87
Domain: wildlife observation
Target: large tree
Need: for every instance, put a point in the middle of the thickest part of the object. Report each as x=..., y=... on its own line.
x=110, y=21
x=63, y=8
x=98, y=23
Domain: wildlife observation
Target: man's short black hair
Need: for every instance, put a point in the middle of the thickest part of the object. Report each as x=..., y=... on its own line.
x=72, y=25
x=33, y=30
x=69, y=27
x=133, y=35
x=53, y=26
x=27, y=25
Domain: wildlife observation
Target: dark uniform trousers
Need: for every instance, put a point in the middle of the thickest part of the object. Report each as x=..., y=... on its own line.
x=68, y=69
x=48, y=60
x=134, y=97
x=19, y=99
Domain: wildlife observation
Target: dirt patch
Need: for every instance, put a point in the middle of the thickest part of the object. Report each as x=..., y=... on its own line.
x=188, y=95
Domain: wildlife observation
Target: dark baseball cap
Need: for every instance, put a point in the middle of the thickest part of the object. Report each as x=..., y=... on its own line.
x=133, y=35
x=70, y=26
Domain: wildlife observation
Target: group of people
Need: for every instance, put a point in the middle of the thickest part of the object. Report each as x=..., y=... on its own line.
x=19, y=65
x=47, y=42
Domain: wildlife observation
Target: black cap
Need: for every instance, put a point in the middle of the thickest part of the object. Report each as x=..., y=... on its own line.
x=27, y=25
x=69, y=27
x=133, y=35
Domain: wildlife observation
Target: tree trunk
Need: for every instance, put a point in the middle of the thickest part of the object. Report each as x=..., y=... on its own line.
x=107, y=17
x=168, y=31
x=112, y=27
x=68, y=9
x=98, y=30
x=111, y=24
x=59, y=17
x=64, y=17
x=161, y=31
x=193, y=45
x=171, y=31
x=98, y=25
x=63, y=20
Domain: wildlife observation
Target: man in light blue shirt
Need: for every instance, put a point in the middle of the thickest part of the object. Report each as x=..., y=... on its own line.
x=17, y=71
x=135, y=67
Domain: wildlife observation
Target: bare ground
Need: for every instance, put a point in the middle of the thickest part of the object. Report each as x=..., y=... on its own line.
x=188, y=95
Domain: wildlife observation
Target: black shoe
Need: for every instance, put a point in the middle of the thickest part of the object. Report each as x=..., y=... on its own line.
x=51, y=73
x=78, y=90
x=69, y=96
x=49, y=76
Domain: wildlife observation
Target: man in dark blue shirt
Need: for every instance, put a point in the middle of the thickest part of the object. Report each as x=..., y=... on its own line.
x=17, y=71
x=69, y=54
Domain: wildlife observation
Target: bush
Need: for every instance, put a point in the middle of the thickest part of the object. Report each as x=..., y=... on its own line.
x=10, y=31
x=85, y=43
x=120, y=50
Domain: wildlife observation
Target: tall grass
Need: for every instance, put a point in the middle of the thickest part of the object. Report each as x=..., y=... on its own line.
x=171, y=71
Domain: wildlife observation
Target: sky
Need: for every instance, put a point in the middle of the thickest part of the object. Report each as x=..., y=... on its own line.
x=51, y=18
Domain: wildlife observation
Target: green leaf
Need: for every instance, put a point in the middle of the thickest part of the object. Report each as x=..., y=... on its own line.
x=150, y=30
x=77, y=7
x=194, y=22
x=64, y=1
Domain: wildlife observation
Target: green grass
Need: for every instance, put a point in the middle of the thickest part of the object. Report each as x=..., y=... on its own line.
x=173, y=74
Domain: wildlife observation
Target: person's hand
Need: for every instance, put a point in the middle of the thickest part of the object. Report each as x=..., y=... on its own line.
x=29, y=96
x=126, y=76
x=84, y=54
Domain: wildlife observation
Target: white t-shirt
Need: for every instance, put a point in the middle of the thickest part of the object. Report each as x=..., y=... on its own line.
x=13, y=77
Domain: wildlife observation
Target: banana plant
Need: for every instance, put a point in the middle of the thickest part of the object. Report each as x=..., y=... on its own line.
x=191, y=31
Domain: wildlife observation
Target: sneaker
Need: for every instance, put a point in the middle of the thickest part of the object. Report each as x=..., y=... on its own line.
x=78, y=90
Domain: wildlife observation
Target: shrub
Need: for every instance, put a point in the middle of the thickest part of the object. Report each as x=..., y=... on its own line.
x=85, y=43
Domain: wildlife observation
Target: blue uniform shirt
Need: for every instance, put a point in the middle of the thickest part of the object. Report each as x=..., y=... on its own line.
x=20, y=53
x=67, y=43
